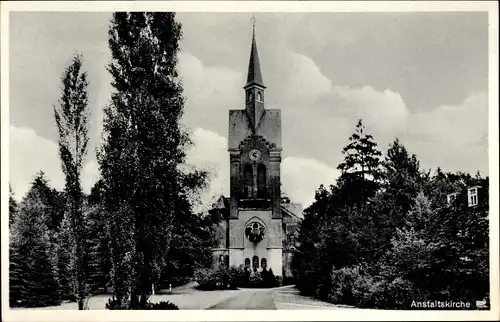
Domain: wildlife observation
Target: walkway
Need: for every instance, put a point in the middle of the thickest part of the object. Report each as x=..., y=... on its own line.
x=188, y=298
x=248, y=300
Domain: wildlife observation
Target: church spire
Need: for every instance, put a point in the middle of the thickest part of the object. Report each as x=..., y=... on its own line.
x=254, y=75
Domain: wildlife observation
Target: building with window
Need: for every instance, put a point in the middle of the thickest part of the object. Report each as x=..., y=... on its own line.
x=258, y=230
x=472, y=196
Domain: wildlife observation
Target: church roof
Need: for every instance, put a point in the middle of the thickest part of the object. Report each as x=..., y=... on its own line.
x=293, y=209
x=221, y=203
x=254, y=76
x=240, y=128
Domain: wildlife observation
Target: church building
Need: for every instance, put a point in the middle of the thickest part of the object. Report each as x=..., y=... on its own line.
x=259, y=227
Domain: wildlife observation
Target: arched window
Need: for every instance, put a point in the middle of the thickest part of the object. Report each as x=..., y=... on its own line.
x=263, y=263
x=255, y=262
x=247, y=262
x=261, y=181
x=259, y=96
x=249, y=96
x=248, y=175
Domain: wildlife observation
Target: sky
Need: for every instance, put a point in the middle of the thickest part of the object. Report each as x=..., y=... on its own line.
x=419, y=77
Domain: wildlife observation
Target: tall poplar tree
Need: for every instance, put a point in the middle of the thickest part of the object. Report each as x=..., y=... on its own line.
x=144, y=150
x=71, y=115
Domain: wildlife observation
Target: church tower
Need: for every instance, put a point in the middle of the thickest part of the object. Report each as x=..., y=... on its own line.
x=254, y=225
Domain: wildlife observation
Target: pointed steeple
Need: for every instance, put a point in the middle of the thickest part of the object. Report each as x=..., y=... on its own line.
x=254, y=75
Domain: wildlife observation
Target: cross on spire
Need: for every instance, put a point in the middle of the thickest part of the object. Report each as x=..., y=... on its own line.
x=253, y=23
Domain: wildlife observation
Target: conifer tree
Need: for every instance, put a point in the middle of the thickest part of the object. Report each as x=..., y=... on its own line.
x=17, y=267
x=64, y=261
x=71, y=115
x=12, y=206
x=403, y=179
x=361, y=172
x=32, y=275
x=17, y=272
x=52, y=199
x=143, y=151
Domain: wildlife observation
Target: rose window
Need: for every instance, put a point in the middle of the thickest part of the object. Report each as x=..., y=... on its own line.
x=255, y=232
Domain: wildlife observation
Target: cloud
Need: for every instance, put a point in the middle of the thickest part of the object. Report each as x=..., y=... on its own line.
x=301, y=77
x=29, y=153
x=319, y=116
x=301, y=177
x=210, y=92
x=454, y=137
x=209, y=152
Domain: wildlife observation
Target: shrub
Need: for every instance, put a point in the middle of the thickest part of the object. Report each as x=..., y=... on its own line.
x=238, y=277
x=341, y=290
x=363, y=287
x=206, y=278
x=368, y=292
x=114, y=304
x=279, y=281
x=220, y=279
x=161, y=306
x=287, y=280
x=268, y=278
x=233, y=277
x=400, y=293
x=255, y=280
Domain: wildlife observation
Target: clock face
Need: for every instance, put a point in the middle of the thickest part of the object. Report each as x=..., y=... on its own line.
x=254, y=155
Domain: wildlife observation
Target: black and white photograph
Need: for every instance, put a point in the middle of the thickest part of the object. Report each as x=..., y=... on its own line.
x=329, y=162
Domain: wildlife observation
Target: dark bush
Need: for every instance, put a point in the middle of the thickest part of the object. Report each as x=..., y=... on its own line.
x=287, y=280
x=161, y=306
x=221, y=278
x=209, y=279
x=368, y=292
x=238, y=277
x=233, y=277
x=353, y=286
x=114, y=304
x=399, y=294
x=279, y=281
x=268, y=278
x=255, y=280
x=342, y=280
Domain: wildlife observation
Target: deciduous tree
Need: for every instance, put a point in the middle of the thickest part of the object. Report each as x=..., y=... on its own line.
x=71, y=115
x=142, y=158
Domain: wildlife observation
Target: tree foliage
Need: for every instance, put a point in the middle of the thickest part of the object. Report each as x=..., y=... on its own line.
x=71, y=115
x=360, y=170
x=12, y=206
x=32, y=278
x=385, y=234
x=142, y=158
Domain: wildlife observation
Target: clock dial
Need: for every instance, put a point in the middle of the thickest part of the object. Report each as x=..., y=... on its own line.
x=254, y=155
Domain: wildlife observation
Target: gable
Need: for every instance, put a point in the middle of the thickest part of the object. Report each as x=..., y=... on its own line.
x=269, y=128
